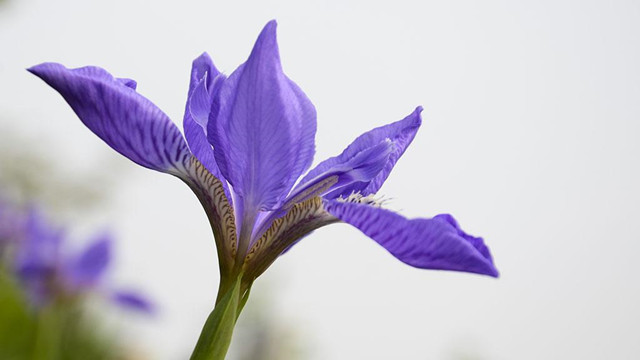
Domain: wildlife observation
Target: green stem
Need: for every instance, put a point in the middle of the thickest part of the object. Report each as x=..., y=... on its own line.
x=216, y=334
x=233, y=294
x=47, y=339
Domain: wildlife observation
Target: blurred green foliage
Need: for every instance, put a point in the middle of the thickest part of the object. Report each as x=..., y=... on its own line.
x=56, y=332
x=65, y=329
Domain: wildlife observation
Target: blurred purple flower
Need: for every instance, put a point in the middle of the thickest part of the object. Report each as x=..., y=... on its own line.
x=249, y=138
x=12, y=222
x=47, y=271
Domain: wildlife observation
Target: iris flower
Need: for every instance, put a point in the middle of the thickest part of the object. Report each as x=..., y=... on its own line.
x=11, y=225
x=50, y=273
x=249, y=141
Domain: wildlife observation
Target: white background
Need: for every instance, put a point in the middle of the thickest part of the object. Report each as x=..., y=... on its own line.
x=530, y=138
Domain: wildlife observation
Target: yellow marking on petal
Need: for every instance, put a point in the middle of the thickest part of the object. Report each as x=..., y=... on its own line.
x=316, y=189
x=303, y=218
x=210, y=191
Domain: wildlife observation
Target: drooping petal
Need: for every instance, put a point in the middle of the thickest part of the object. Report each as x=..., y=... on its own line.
x=400, y=133
x=204, y=83
x=262, y=127
x=436, y=243
x=132, y=300
x=89, y=266
x=124, y=119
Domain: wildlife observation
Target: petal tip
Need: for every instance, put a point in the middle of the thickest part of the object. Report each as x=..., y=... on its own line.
x=272, y=24
x=490, y=267
x=40, y=69
x=202, y=58
x=418, y=115
x=265, y=48
x=269, y=29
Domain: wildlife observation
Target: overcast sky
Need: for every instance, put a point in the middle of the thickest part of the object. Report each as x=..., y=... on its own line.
x=530, y=138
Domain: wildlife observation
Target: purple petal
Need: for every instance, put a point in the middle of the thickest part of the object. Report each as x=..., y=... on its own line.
x=133, y=301
x=361, y=168
x=38, y=257
x=39, y=251
x=353, y=173
x=114, y=111
x=202, y=87
x=436, y=243
x=401, y=133
x=204, y=83
x=199, y=67
x=199, y=104
x=88, y=268
x=12, y=224
x=262, y=127
x=128, y=82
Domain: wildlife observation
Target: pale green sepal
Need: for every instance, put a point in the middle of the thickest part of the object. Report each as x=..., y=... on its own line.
x=216, y=335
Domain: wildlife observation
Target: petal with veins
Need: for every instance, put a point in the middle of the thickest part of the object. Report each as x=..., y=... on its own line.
x=436, y=243
x=204, y=83
x=262, y=127
x=401, y=133
x=124, y=119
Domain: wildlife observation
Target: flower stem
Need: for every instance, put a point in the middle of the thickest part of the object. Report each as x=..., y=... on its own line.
x=216, y=334
x=233, y=294
x=47, y=337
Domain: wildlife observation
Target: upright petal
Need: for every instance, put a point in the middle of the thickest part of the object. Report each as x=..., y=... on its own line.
x=88, y=267
x=204, y=83
x=262, y=127
x=436, y=243
x=199, y=67
x=400, y=133
x=113, y=110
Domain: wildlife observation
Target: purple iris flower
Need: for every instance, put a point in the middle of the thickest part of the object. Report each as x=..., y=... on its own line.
x=48, y=272
x=11, y=226
x=249, y=141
